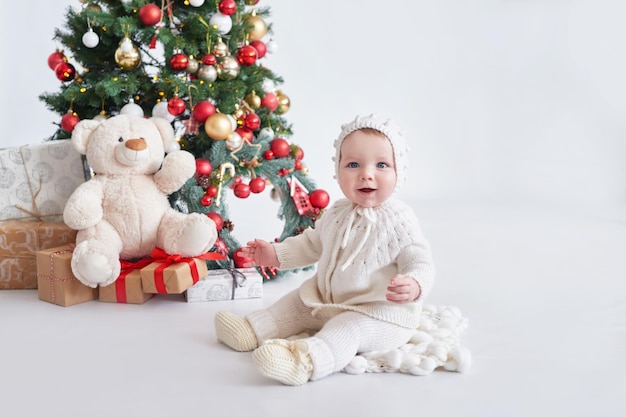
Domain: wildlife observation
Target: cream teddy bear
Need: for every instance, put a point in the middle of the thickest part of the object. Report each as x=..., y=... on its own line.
x=123, y=212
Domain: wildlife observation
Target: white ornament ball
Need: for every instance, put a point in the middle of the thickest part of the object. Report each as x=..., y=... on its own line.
x=234, y=142
x=196, y=3
x=160, y=110
x=132, y=109
x=173, y=147
x=91, y=39
x=266, y=134
x=233, y=121
x=221, y=22
x=126, y=1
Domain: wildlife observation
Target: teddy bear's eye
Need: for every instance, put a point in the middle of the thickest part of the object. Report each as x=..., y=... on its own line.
x=120, y=139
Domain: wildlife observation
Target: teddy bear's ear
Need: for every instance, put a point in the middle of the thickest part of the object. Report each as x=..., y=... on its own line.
x=81, y=133
x=167, y=133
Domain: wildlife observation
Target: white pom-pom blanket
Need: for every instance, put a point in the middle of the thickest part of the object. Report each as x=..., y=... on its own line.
x=435, y=344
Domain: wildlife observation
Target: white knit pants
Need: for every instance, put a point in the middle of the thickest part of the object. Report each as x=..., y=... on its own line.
x=340, y=335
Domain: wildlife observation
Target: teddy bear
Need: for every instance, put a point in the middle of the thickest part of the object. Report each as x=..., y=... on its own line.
x=123, y=211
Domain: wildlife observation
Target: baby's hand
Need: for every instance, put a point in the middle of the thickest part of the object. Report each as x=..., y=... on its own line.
x=403, y=289
x=260, y=253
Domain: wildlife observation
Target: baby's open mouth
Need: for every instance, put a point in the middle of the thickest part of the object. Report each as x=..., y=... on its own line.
x=367, y=190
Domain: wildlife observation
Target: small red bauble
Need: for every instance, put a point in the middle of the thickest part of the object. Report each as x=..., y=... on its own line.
x=203, y=110
x=261, y=48
x=252, y=121
x=246, y=134
x=55, y=59
x=257, y=185
x=150, y=14
x=217, y=219
x=237, y=180
x=297, y=165
x=270, y=101
x=319, y=198
x=299, y=154
x=176, y=106
x=268, y=155
x=203, y=167
x=227, y=7
x=280, y=147
x=65, y=71
x=211, y=191
x=246, y=55
x=239, y=260
x=242, y=190
x=179, y=62
x=69, y=121
x=209, y=59
x=206, y=200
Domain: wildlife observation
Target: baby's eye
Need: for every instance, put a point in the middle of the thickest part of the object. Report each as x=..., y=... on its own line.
x=353, y=165
x=382, y=165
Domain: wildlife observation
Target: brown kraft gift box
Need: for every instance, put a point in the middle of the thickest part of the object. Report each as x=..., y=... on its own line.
x=19, y=243
x=56, y=283
x=127, y=287
x=172, y=277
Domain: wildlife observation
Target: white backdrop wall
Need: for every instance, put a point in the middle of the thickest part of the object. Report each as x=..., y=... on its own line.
x=503, y=100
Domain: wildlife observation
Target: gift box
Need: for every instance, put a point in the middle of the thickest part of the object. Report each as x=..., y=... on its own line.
x=127, y=287
x=37, y=180
x=19, y=243
x=171, y=274
x=55, y=281
x=227, y=284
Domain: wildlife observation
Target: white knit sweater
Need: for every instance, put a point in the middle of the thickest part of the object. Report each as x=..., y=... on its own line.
x=358, y=251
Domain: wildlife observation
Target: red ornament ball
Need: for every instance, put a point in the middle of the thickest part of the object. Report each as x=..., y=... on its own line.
x=239, y=260
x=209, y=59
x=269, y=101
x=268, y=155
x=280, y=147
x=297, y=165
x=299, y=154
x=217, y=219
x=203, y=167
x=69, y=121
x=150, y=14
x=246, y=134
x=55, y=59
x=65, y=71
x=252, y=121
x=319, y=198
x=261, y=48
x=227, y=7
x=206, y=200
x=203, y=110
x=179, y=61
x=257, y=185
x=176, y=106
x=246, y=55
x=211, y=191
x=242, y=190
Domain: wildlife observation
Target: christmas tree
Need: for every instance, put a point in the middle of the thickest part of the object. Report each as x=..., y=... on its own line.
x=199, y=65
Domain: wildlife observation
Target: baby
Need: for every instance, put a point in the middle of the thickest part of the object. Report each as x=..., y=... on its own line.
x=374, y=268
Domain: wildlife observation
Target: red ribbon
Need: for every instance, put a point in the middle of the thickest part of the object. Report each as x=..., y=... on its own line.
x=126, y=268
x=165, y=259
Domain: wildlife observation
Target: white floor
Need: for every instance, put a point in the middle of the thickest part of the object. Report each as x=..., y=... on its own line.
x=544, y=291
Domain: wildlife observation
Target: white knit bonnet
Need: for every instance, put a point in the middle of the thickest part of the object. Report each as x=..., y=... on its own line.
x=388, y=128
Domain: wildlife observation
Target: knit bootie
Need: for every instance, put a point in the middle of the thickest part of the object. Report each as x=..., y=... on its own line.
x=235, y=332
x=286, y=361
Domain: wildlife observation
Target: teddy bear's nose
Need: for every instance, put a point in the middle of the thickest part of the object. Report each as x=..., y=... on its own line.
x=136, y=144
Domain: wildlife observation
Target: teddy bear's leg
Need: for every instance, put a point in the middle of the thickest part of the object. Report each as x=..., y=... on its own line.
x=186, y=234
x=95, y=260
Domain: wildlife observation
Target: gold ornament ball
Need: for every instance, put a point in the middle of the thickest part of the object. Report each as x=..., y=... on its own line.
x=127, y=59
x=220, y=48
x=218, y=126
x=253, y=100
x=283, y=102
x=257, y=26
x=227, y=68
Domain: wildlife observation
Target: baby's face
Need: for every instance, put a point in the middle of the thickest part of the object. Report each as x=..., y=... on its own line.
x=367, y=174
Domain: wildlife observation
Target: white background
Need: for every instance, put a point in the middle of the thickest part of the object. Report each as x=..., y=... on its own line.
x=503, y=100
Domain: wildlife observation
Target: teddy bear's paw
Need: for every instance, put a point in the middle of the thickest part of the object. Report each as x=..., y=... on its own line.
x=197, y=237
x=94, y=268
